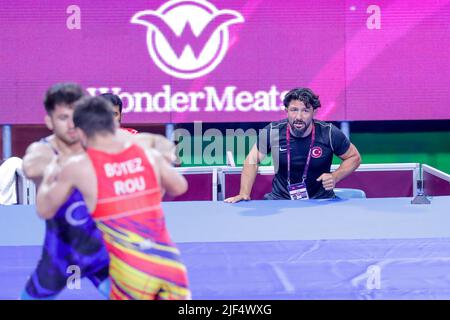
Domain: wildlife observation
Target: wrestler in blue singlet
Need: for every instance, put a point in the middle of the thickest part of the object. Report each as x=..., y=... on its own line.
x=71, y=239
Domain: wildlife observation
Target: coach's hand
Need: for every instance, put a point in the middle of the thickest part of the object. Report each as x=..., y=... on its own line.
x=328, y=181
x=237, y=198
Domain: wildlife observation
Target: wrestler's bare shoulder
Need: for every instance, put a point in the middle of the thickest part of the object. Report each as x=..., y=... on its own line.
x=78, y=161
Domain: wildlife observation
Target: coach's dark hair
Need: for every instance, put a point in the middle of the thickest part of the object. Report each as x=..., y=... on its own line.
x=62, y=93
x=304, y=95
x=114, y=99
x=94, y=115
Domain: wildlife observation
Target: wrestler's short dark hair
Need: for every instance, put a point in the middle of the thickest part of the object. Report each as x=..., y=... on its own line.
x=114, y=99
x=94, y=115
x=62, y=93
x=304, y=95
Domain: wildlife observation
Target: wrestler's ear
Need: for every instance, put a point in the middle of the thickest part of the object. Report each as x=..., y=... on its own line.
x=48, y=122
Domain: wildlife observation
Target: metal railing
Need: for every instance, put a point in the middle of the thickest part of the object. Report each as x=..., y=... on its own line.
x=27, y=190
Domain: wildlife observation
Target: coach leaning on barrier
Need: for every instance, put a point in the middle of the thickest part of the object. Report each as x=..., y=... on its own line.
x=302, y=150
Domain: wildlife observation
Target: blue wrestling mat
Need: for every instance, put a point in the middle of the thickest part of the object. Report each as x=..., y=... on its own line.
x=332, y=249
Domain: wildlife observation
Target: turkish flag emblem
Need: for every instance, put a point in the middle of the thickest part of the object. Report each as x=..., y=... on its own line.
x=316, y=152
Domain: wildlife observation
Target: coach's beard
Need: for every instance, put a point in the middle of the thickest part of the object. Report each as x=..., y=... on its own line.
x=298, y=128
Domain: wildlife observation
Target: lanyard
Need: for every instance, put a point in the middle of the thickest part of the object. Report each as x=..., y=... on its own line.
x=305, y=171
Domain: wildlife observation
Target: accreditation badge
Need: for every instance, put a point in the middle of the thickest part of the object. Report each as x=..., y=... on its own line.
x=298, y=191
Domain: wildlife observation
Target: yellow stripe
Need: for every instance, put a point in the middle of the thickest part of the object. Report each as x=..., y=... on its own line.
x=149, y=257
x=131, y=277
x=128, y=237
x=146, y=290
x=133, y=289
x=151, y=286
x=135, y=278
x=164, y=295
x=120, y=270
x=133, y=237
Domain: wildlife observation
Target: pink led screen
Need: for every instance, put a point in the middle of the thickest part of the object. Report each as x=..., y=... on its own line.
x=229, y=61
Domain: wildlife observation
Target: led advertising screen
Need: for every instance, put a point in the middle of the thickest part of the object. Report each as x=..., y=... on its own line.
x=229, y=61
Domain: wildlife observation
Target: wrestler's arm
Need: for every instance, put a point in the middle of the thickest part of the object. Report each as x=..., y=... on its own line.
x=57, y=183
x=149, y=140
x=36, y=159
x=169, y=179
x=162, y=144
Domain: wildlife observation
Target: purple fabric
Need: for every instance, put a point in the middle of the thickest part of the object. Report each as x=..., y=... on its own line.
x=435, y=186
x=199, y=188
x=375, y=184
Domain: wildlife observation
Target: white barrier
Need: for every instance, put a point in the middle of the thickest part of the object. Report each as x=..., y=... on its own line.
x=27, y=190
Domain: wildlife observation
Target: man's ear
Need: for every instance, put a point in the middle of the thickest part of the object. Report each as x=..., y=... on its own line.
x=48, y=122
x=315, y=112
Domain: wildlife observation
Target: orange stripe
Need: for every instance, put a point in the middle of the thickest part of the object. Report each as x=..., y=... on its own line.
x=175, y=275
x=116, y=294
x=124, y=205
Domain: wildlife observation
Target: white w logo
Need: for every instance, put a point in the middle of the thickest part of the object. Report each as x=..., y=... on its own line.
x=187, y=39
